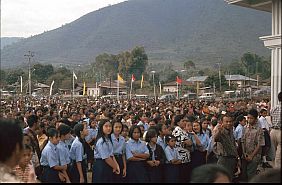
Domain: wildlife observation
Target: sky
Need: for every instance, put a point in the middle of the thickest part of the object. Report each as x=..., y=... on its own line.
x=23, y=18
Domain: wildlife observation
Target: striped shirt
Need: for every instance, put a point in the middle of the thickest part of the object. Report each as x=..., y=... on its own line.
x=276, y=116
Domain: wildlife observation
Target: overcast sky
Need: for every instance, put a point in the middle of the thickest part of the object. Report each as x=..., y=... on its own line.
x=23, y=18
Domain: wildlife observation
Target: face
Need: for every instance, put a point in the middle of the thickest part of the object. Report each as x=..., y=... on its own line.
x=182, y=124
x=264, y=114
x=65, y=114
x=55, y=140
x=165, y=130
x=243, y=122
x=189, y=127
x=26, y=157
x=117, y=128
x=172, y=142
x=124, y=132
x=205, y=124
x=227, y=123
x=68, y=136
x=26, y=140
x=107, y=128
x=142, y=130
x=251, y=119
x=152, y=123
x=196, y=127
x=93, y=124
x=136, y=134
x=154, y=139
x=39, y=113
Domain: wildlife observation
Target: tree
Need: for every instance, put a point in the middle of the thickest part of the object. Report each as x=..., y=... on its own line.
x=213, y=79
x=189, y=64
x=42, y=72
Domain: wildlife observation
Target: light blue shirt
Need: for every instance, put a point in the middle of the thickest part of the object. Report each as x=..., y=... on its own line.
x=49, y=156
x=171, y=153
x=238, y=132
x=92, y=133
x=64, y=153
x=161, y=142
x=204, y=140
x=77, y=151
x=118, y=144
x=103, y=149
x=69, y=141
x=135, y=146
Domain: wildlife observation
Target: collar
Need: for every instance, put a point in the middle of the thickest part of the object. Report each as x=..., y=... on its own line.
x=133, y=141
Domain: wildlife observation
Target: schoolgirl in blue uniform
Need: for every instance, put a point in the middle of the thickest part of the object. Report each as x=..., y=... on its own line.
x=105, y=163
x=50, y=159
x=119, y=150
x=136, y=154
x=157, y=157
x=173, y=161
x=78, y=169
x=90, y=140
x=64, y=153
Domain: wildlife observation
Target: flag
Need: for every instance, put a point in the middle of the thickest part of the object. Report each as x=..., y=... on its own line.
x=74, y=75
x=142, y=80
x=132, y=78
x=84, y=89
x=178, y=80
x=120, y=79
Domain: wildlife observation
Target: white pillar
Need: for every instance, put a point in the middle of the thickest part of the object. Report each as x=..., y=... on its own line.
x=273, y=42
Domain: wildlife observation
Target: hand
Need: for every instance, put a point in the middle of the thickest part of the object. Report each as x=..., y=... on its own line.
x=81, y=180
x=157, y=163
x=151, y=163
x=62, y=177
x=188, y=142
x=124, y=172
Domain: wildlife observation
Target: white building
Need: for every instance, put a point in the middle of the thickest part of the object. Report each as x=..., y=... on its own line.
x=273, y=42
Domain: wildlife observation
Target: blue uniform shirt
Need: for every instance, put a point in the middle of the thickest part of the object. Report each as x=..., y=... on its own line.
x=49, y=156
x=77, y=151
x=69, y=141
x=238, y=132
x=64, y=153
x=161, y=142
x=204, y=140
x=171, y=153
x=103, y=149
x=137, y=147
x=92, y=133
x=118, y=144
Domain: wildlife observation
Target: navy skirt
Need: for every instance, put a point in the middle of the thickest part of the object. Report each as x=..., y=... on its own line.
x=102, y=172
x=155, y=173
x=172, y=173
x=136, y=172
x=50, y=175
x=118, y=177
x=74, y=174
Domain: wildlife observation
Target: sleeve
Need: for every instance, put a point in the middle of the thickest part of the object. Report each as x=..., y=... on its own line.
x=89, y=136
x=103, y=149
x=62, y=156
x=145, y=149
x=128, y=151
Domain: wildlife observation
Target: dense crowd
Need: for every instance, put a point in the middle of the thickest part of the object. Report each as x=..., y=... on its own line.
x=137, y=140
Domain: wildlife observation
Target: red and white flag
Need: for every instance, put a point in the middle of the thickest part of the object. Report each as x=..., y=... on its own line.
x=178, y=80
x=132, y=78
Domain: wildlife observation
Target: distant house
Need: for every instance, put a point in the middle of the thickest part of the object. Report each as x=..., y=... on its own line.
x=41, y=88
x=171, y=87
x=240, y=81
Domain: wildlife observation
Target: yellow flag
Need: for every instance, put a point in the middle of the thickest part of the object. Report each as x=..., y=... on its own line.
x=142, y=80
x=84, y=89
x=120, y=79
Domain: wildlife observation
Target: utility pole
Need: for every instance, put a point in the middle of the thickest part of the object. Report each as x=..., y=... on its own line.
x=29, y=55
x=219, y=75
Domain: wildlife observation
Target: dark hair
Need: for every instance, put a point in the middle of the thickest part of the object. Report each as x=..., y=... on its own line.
x=208, y=173
x=77, y=129
x=27, y=147
x=280, y=97
x=124, y=126
x=100, y=133
x=253, y=112
x=262, y=111
x=169, y=137
x=268, y=176
x=52, y=132
x=11, y=135
x=177, y=119
x=214, y=122
x=229, y=115
x=150, y=134
x=241, y=117
x=64, y=129
x=201, y=128
x=131, y=130
x=31, y=120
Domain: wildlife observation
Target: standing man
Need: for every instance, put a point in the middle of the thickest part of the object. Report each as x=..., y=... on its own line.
x=275, y=133
x=228, y=157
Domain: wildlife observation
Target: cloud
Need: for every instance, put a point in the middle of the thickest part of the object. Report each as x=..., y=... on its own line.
x=24, y=18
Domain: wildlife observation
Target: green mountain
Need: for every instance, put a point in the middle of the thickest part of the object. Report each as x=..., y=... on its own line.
x=170, y=31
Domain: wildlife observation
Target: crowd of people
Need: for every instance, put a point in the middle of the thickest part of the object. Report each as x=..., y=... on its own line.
x=57, y=140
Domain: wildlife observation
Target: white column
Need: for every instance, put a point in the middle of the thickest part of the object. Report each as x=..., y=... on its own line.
x=273, y=42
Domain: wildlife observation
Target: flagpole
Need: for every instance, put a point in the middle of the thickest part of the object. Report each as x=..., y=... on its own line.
x=21, y=84
x=118, y=90
x=72, y=85
x=160, y=88
x=130, y=89
x=177, y=89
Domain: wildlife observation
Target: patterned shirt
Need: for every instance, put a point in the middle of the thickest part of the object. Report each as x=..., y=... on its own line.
x=251, y=138
x=276, y=116
x=227, y=140
x=183, y=152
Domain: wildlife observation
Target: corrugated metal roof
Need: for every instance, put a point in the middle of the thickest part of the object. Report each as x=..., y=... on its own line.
x=238, y=78
x=197, y=79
